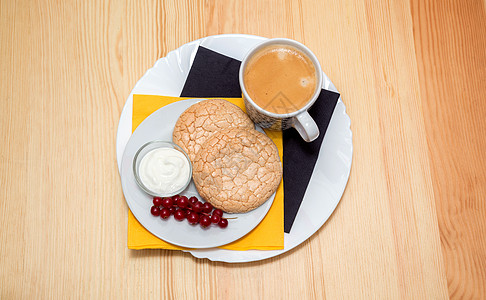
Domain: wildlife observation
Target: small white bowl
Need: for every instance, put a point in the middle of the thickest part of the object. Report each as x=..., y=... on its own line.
x=146, y=149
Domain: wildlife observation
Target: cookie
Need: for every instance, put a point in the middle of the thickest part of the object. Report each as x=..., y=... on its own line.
x=237, y=170
x=201, y=120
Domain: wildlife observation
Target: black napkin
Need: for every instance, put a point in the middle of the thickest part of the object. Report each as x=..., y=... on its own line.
x=215, y=75
x=299, y=157
x=212, y=75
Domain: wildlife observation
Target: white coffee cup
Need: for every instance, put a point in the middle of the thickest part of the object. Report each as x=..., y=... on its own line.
x=299, y=119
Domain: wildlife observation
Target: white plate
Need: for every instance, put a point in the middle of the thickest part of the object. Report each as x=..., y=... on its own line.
x=331, y=172
x=159, y=126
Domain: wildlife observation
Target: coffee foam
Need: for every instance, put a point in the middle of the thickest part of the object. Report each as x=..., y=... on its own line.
x=280, y=78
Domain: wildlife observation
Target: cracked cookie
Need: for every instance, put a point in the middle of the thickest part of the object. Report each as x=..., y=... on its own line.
x=237, y=170
x=201, y=120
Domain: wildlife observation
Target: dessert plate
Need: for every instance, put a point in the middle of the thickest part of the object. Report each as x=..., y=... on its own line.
x=331, y=172
x=159, y=126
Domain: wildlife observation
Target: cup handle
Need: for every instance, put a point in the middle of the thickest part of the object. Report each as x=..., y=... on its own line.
x=306, y=126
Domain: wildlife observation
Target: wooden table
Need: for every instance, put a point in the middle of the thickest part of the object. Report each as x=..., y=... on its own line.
x=411, y=223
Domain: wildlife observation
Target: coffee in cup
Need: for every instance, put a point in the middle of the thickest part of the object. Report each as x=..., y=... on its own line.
x=280, y=80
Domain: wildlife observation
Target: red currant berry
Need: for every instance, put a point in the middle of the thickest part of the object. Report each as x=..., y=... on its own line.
x=193, y=218
x=157, y=201
x=223, y=223
x=179, y=215
x=192, y=200
x=175, y=198
x=155, y=211
x=182, y=202
x=167, y=202
x=204, y=221
x=165, y=213
x=215, y=219
x=218, y=212
x=171, y=210
x=197, y=207
x=207, y=207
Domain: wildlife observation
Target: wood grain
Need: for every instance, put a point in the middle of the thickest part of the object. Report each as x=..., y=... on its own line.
x=410, y=225
x=450, y=42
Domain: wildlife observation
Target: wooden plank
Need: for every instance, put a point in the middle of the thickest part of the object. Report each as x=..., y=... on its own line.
x=450, y=40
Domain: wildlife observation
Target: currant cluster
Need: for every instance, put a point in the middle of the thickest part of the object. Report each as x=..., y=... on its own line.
x=191, y=209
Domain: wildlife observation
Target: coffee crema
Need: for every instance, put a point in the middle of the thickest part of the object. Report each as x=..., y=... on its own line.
x=280, y=79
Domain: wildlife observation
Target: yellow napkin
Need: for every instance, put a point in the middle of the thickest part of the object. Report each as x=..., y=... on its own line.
x=268, y=235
